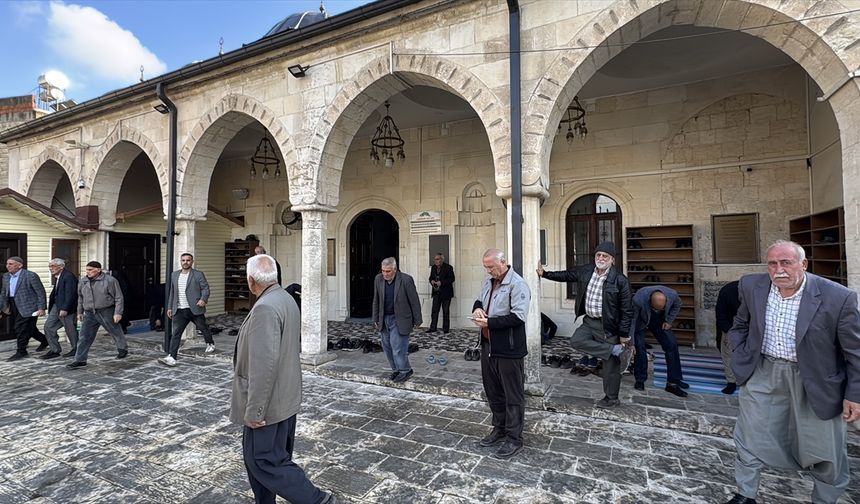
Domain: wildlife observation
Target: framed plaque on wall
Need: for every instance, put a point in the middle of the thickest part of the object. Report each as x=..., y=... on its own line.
x=735, y=238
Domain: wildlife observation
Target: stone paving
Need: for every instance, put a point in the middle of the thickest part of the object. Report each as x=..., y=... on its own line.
x=132, y=431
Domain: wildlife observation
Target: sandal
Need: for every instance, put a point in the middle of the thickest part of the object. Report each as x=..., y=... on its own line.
x=431, y=359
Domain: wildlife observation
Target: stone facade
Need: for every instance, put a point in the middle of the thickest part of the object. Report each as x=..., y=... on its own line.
x=674, y=155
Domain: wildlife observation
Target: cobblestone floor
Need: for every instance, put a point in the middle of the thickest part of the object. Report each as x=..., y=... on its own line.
x=132, y=431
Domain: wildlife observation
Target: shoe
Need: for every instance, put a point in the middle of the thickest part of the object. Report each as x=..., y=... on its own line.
x=50, y=355
x=606, y=403
x=684, y=385
x=566, y=362
x=431, y=359
x=431, y=330
x=673, y=388
x=729, y=389
x=210, y=348
x=402, y=377
x=42, y=347
x=508, y=450
x=639, y=385
x=393, y=375
x=476, y=354
x=584, y=371
x=121, y=354
x=740, y=499
x=554, y=361
x=626, y=356
x=75, y=364
x=71, y=353
x=168, y=361
x=446, y=331
x=492, y=438
x=442, y=361
x=17, y=356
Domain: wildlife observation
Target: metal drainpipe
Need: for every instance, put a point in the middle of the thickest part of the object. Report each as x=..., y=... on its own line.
x=171, y=208
x=516, y=138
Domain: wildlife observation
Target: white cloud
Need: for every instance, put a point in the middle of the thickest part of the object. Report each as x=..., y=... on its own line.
x=85, y=38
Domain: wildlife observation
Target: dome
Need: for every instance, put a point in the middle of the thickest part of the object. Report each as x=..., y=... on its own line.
x=296, y=21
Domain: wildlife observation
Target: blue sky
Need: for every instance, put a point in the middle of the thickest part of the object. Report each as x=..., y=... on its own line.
x=100, y=45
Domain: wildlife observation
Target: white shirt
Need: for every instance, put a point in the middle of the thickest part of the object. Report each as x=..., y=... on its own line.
x=780, y=324
x=183, y=282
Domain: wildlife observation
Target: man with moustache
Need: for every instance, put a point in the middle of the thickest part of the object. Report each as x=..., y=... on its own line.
x=100, y=304
x=62, y=307
x=22, y=297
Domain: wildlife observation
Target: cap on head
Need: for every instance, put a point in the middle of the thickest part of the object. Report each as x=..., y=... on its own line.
x=94, y=264
x=606, y=247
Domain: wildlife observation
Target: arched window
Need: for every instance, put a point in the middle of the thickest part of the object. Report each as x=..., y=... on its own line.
x=591, y=220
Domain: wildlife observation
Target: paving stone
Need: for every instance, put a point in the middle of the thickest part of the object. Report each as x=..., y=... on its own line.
x=349, y=481
x=394, y=491
x=395, y=429
x=442, y=457
x=408, y=470
x=507, y=470
x=573, y=488
x=615, y=473
x=426, y=420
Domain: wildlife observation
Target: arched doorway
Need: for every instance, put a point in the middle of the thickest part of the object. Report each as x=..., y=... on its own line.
x=373, y=236
x=591, y=220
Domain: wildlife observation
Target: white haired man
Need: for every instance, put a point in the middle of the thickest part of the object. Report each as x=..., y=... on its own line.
x=62, y=308
x=396, y=310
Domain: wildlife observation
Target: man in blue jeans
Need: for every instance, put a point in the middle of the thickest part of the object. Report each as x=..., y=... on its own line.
x=396, y=310
x=655, y=308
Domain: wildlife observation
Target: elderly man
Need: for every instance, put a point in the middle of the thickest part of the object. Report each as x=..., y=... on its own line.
x=259, y=249
x=501, y=311
x=796, y=357
x=62, y=308
x=396, y=310
x=267, y=390
x=22, y=296
x=189, y=293
x=655, y=308
x=603, y=297
x=100, y=303
x=442, y=286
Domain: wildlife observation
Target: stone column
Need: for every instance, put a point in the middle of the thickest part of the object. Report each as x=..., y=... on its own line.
x=315, y=284
x=97, y=249
x=183, y=243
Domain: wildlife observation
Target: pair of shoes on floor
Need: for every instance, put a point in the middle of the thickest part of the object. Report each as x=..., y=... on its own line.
x=730, y=388
x=674, y=388
x=402, y=377
x=472, y=354
x=167, y=360
x=76, y=364
x=432, y=359
x=493, y=438
x=210, y=348
x=50, y=355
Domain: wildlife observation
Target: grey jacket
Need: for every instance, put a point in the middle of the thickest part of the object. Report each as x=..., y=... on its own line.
x=196, y=288
x=407, y=306
x=507, y=309
x=29, y=293
x=267, y=380
x=100, y=292
x=827, y=334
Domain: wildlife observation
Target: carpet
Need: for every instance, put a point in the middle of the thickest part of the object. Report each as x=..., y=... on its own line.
x=704, y=373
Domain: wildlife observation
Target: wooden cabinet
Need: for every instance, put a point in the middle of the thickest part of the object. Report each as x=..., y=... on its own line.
x=236, y=293
x=822, y=236
x=663, y=255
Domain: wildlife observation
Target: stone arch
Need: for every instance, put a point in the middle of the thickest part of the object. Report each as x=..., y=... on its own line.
x=40, y=181
x=207, y=140
x=112, y=161
x=371, y=86
x=815, y=45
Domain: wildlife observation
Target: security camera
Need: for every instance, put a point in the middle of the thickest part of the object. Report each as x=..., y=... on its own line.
x=81, y=183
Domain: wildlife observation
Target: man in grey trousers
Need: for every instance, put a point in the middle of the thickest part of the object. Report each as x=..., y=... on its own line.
x=796, y=357
x=62, y=309
x=100, y=303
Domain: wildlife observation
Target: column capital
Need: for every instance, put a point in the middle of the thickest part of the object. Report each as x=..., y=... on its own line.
x=313, y=207
x=532, y=191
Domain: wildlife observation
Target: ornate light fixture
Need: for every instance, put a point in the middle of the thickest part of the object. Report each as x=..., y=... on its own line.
x=264, y=157
x=575, y=119
x=386, y=140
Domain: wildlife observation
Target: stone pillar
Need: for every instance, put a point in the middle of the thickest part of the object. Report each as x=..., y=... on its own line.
x=97, y=249
x=183, y=243
x=531, y=255
x=314, y=285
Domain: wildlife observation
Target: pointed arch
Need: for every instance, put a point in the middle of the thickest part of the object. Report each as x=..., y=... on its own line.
x=40, y=180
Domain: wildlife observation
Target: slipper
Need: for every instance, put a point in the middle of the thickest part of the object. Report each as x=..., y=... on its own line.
x=431, y=359
x=442, y=361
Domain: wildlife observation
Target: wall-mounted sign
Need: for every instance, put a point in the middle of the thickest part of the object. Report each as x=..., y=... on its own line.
x=425, y=222
x=735, y=238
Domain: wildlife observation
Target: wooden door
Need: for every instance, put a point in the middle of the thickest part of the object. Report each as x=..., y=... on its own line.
x=11, y=244
x=134, y=260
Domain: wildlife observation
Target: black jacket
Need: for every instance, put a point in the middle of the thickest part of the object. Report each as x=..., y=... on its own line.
x=446, y=276
x=65, y=293
x=728, y=302
x=617, y=300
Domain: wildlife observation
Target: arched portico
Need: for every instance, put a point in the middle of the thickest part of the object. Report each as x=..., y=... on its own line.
x=40, y=182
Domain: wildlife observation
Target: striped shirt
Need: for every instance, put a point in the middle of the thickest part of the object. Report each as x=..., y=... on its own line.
x=780, y=322
x=594, y=294
x=183, y=282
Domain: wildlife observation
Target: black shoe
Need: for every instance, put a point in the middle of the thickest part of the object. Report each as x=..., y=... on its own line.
x=71, y=353
x=122, y=354
x=730, y=388
x=42, y=347
x=431, y=330
x=639, y=385
x=17, y=356
x=673, y=388
x=76, y=364
x=402, y=377
x=740, y=499
x=393, y=375
x=50, y=355
x=684, y=385
x=508, y=450
x=607, y=403
x=492, y=438
x=446, y=331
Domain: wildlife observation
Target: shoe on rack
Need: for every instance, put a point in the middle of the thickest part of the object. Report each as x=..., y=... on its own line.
x=210, y=348
x=168, y=361
x=493, y=438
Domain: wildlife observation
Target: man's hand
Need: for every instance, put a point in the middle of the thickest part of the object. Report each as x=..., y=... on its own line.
x=170, y=314
x=666, y=326
x=480, y=322
x=40, y=313
x=850, y=411
x=63, y=313
x=201, y=303
x=256, y=425
x=624, y=341
x=539, y=269
x=117, y=318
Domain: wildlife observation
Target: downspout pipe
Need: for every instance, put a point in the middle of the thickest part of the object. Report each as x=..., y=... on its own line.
x=171, y=208
x=516, y=137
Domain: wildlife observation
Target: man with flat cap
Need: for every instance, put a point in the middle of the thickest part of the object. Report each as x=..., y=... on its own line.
x=603, y=298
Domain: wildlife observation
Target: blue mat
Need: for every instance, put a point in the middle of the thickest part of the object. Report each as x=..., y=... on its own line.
x=704, y=373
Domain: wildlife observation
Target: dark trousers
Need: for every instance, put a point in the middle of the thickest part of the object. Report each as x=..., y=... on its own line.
x=156, y=314
x=24, y=327
x=445, y=304
x=268, y=454
x=504, y=387
x=181, y=319
x=667, y=340
x=590, y=338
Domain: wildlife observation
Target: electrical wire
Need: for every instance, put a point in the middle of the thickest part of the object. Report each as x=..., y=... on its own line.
x=653, y=41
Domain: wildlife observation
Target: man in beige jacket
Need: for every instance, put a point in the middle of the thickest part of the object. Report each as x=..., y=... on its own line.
x=267, y=390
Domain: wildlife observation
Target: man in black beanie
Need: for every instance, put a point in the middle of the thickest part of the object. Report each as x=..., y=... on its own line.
x=603, y=297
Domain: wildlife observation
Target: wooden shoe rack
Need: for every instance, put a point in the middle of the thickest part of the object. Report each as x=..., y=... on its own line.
x=663, y=255
x=823, y=237
x=236, y=293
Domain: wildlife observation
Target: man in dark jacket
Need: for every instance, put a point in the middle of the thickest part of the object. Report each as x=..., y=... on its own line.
x=728, y=302
x=62, y=308
x=501, y=311
x=442, y=283
x=655, y=308
x=396, y=310
x=603, y=297
x=22, y=296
